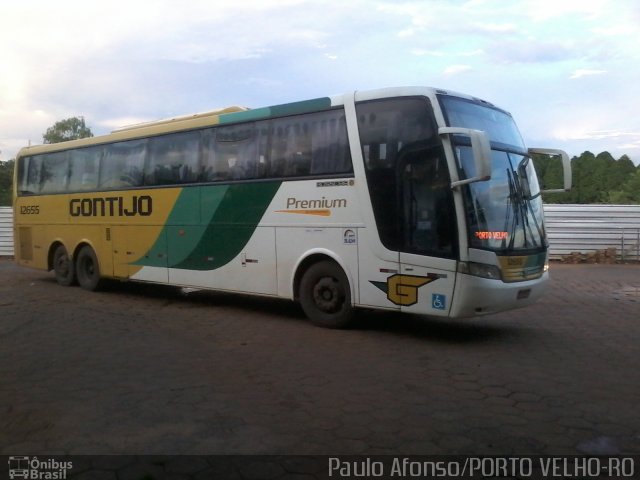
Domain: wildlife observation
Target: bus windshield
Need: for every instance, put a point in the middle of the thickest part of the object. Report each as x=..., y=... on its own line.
x=505, y=213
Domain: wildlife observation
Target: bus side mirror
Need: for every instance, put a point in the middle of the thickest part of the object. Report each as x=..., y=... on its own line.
x=481, y=148
x=566, y=166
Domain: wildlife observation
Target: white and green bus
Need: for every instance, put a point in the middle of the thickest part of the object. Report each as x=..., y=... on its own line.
x=411, y=199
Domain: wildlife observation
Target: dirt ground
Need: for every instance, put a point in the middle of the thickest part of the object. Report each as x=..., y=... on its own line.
x=144, y=369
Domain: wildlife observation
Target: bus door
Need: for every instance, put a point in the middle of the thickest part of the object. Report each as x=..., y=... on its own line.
x=379, y=246
x=428, y=231
x=411, y=198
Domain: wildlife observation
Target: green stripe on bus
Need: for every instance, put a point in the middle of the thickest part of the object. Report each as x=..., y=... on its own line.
x=205, y=201
x=294, y=108
x=230, y=214
x=231, y=226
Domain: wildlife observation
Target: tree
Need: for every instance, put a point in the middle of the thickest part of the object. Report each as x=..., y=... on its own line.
x=68, y=129
x=630, y=191
x=625, y=168
x=585, y=181
x=596, y=179
x=6, y=182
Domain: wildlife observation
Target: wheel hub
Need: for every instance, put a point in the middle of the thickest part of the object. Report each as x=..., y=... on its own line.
x=327, y=295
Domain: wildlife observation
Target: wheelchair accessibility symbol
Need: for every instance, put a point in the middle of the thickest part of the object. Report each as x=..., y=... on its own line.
x=439, y=301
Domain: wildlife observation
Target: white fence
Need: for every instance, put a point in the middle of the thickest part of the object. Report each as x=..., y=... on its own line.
x=589, y=228
x=6, y=231
x=571, y=228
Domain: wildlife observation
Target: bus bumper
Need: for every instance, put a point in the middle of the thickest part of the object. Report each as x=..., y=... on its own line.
x=475, y=296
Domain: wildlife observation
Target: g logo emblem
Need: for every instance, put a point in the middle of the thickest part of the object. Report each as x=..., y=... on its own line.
x=403, y=289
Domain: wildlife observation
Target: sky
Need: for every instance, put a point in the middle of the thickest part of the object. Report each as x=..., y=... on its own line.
x=568, y=70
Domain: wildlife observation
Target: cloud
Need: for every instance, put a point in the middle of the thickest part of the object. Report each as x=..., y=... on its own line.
x=456, y=70
x=125, y=60
x=578, y=139
x=21, y=127
x=407, y=32
x=421, y=52
x=544, y=10
x=496, y=27
x=625, y=147
x=441, y=53
x=600, y=134
x=585, y=73
x=532, y=51
x=420, y=17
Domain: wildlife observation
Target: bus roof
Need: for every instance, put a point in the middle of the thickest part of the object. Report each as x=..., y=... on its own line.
x=178, y=119
x=228, y=115
x=223, y=116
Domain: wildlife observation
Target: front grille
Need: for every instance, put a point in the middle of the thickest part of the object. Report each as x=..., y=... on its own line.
x=520, y=274
x=521, y=268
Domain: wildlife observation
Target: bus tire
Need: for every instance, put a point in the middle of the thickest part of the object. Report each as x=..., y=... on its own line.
x=88, y=269
x=325, y=295
x=63, y=267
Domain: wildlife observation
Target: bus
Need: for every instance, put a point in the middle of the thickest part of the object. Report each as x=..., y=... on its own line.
x=408, y=199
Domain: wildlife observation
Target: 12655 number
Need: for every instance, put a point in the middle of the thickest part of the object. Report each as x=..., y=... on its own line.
x=30, y=209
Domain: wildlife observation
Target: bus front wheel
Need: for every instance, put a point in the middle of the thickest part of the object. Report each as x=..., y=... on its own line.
x=325, y=295
x=88, y=269
x=63, y=267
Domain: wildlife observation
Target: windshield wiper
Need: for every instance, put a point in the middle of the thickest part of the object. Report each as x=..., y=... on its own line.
x=508, y=213
x=523, y=209
x=527, y=206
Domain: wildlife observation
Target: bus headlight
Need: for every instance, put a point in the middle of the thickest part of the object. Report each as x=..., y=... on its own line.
x=482, y=270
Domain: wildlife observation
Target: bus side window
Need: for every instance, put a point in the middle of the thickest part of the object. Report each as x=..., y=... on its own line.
x=84, y=166
x=122, y=165
x=263, y=132
x=278, y=147
x=291, y=147
x=173, y=159
x=29, y=175
x=330, y=144
x=212, y=171
x=236, y=150
x=310, y=144
x=54, y=172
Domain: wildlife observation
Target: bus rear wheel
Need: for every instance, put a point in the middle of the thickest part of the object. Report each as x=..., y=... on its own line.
x=63, y=267
x=88, y=269
x=325, y=295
